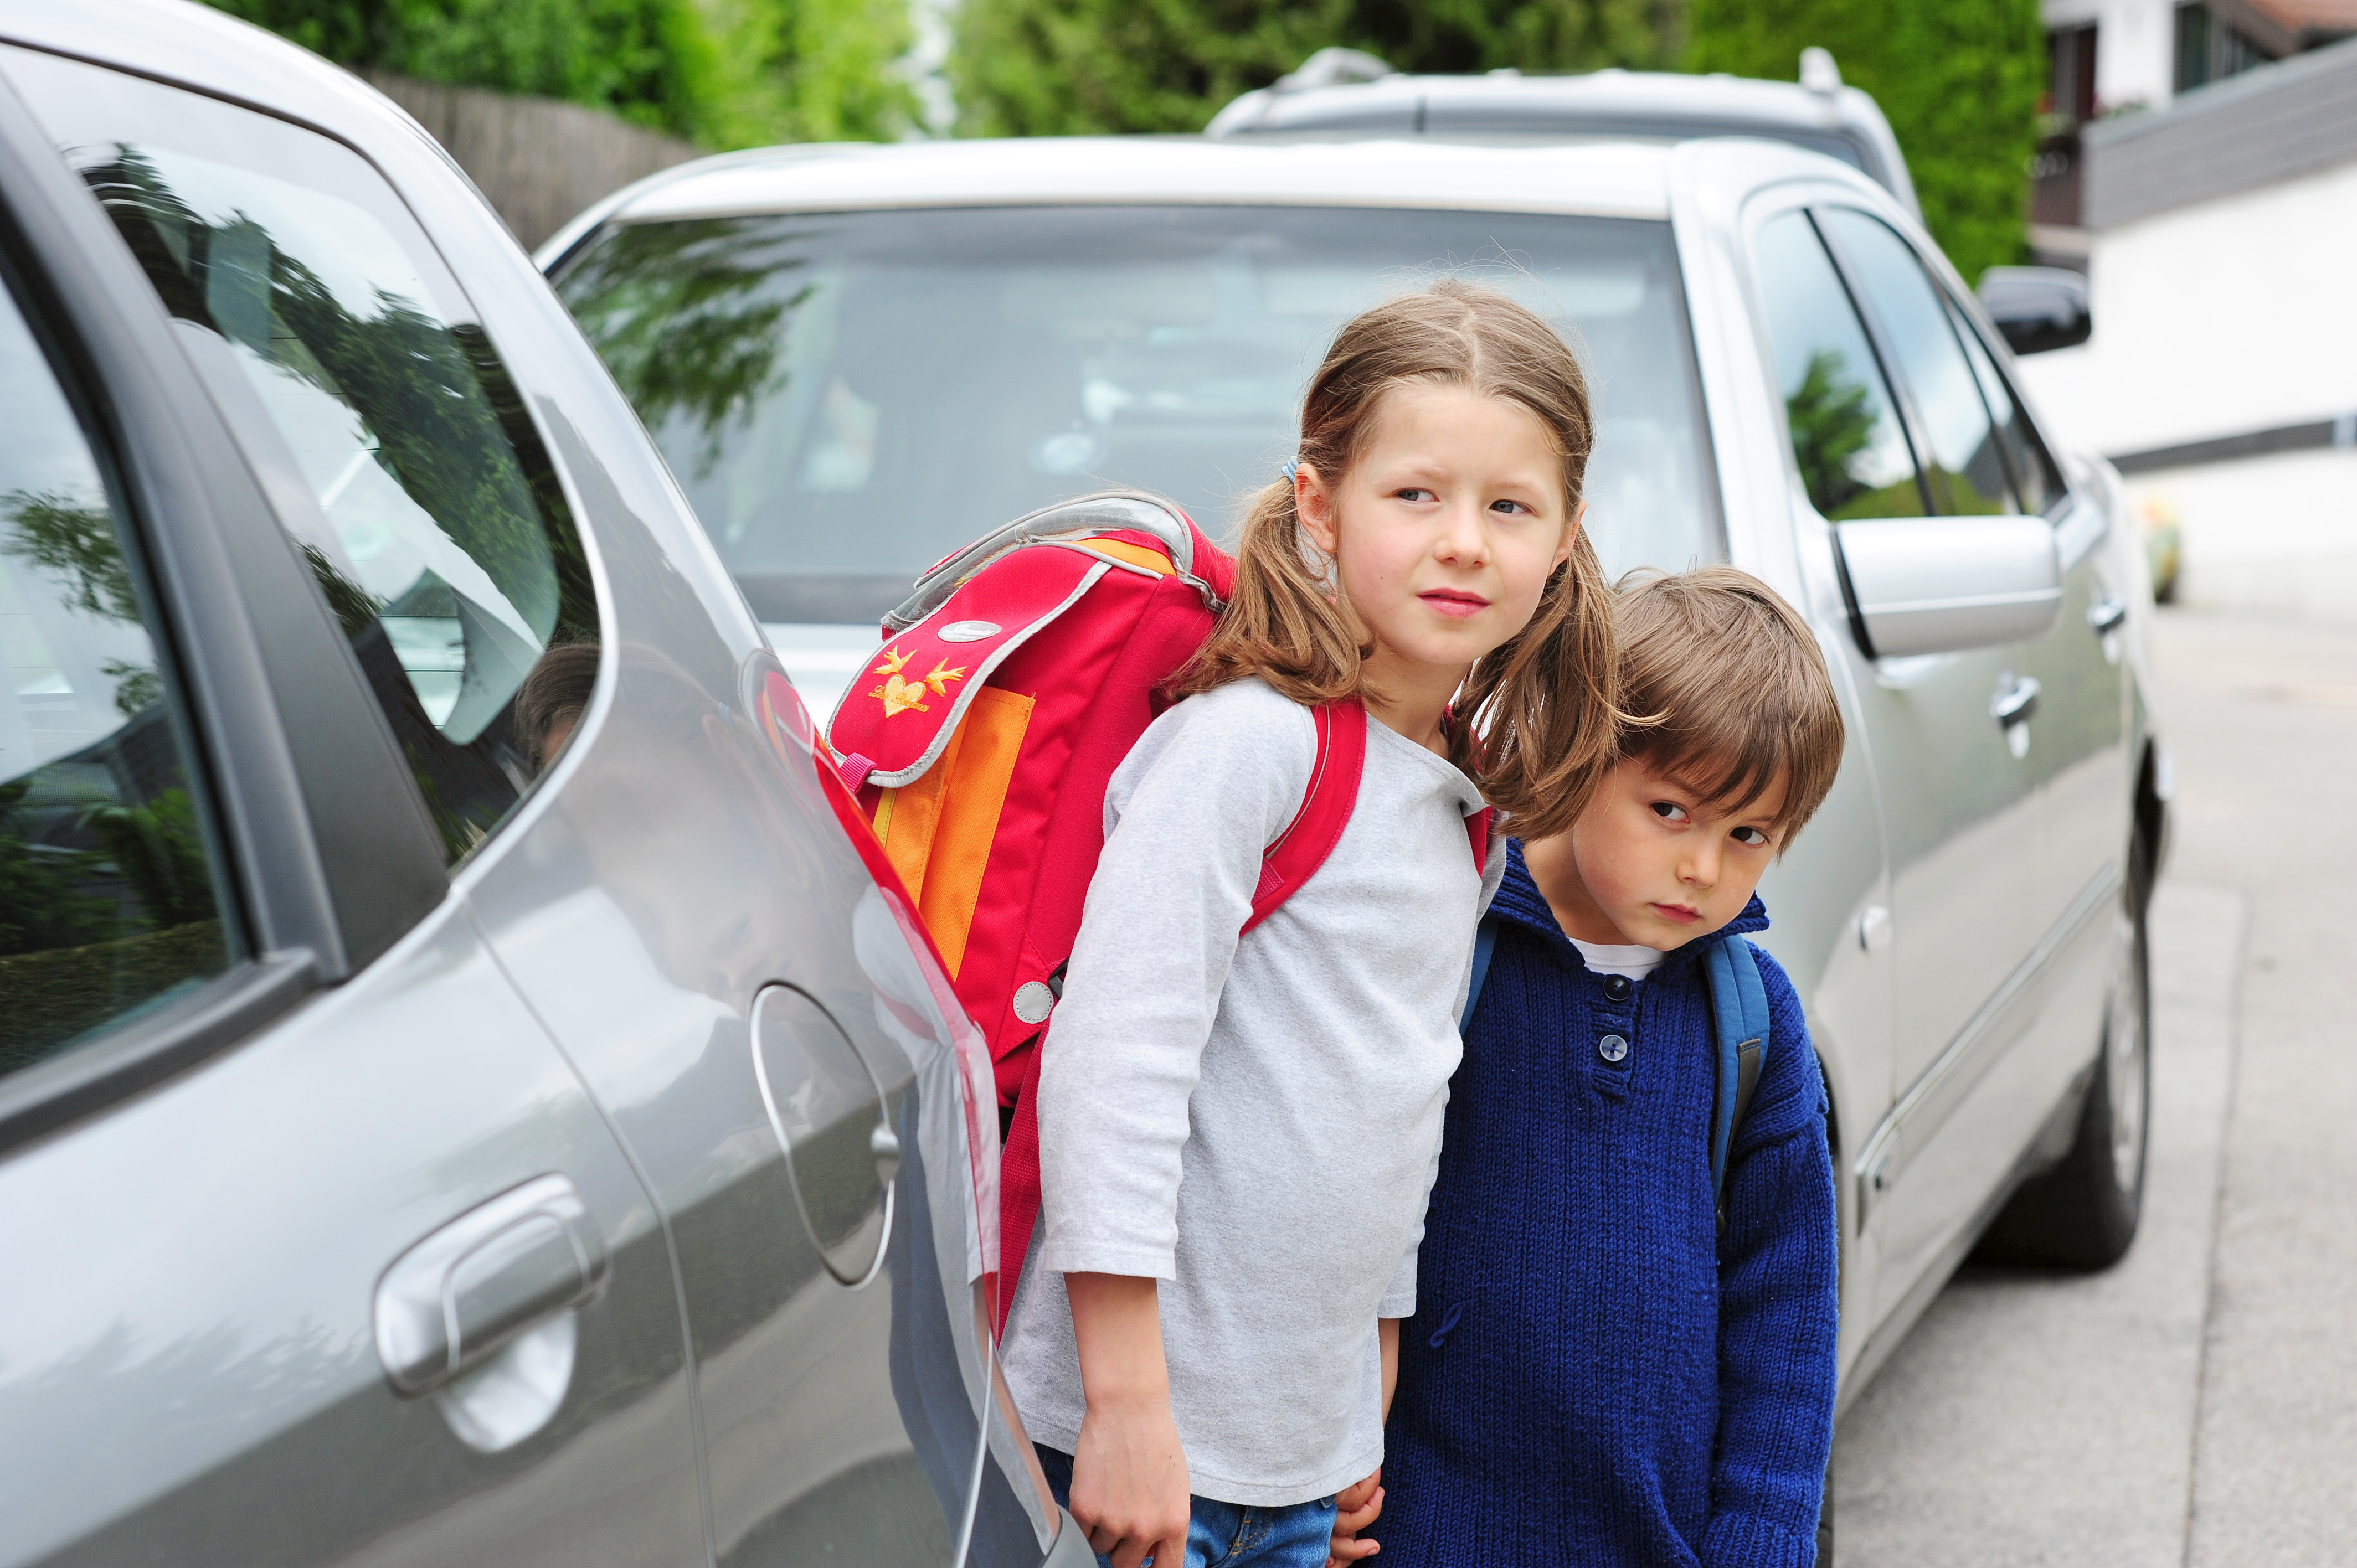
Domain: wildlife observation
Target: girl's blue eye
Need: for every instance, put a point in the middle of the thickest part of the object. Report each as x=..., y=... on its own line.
x=1413, y=494
x=1509, y=506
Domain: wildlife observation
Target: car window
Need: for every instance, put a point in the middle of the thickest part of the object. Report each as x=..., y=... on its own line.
x=418, y=490
x=2035, y=479
x=1847, y=440
x=1966, y=465
x=107, y=899
x=848, y=397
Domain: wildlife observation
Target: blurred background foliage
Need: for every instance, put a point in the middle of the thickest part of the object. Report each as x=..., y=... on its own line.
x=1960, y=79
x=1038, y=68
x=720, y=73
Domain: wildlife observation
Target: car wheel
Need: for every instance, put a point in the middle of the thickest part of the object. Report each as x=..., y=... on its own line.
x=2083, y=1212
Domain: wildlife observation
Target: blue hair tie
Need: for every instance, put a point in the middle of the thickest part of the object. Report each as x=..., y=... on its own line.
x=1292, y=467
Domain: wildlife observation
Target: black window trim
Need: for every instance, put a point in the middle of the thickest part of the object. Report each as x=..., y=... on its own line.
x=1902, y=392
x=1918, y=435
x=1910, y=430
x=243, y=631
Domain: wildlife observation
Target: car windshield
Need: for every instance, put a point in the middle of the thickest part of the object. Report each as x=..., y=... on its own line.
x=848, y=397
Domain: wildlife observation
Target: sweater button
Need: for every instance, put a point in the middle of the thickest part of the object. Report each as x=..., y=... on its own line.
x=1612, y=1048
x=1617, y=988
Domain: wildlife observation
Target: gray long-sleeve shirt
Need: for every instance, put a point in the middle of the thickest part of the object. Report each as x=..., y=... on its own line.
x=1253, y=1122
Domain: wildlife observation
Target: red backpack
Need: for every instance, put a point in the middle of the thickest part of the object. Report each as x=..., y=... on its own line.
x=1014, y=680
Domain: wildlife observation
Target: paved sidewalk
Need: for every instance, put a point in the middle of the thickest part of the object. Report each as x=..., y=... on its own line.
x=2197, y=1405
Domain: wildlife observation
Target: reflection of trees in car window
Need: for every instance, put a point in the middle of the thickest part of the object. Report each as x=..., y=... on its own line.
x=687, y=318
x=1833, y=428
x=442, y=545
x=1847, y=442
x=107, y=903
x=1964, y=465
x=846, y=396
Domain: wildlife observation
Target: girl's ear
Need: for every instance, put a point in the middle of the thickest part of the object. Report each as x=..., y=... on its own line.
x=1571, y=535
x=1313, y=505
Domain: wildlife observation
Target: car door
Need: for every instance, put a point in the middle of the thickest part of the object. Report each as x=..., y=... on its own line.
x=318, y=1248
x=1964, y=1127
x=2079, y=741
x=1960, y=810
x=703, y=935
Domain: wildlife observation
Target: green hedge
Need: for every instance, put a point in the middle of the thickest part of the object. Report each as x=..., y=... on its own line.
x=56, y=995
x=1032, y=67
x=1960, y=81
x=722, y=73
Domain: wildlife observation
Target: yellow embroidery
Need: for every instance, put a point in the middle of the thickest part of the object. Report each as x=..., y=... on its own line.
x=899, y=695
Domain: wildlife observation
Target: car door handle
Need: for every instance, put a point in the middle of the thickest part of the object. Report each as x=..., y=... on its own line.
x=2105, y=614
x=2015, y=706
x=462, y=1294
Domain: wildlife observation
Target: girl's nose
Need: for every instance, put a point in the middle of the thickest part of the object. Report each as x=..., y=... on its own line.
x=1464, y=538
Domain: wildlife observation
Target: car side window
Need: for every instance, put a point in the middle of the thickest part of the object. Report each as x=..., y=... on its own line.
x=1966, y=465
x=2035, y=478
x=107, y=897
x=352, y=367
x=1847, y=437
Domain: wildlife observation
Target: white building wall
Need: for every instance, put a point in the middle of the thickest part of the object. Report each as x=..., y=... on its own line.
x=2135, y=47
x=2232, y=315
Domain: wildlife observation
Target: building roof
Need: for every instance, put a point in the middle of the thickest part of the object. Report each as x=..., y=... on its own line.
x=2289, y=118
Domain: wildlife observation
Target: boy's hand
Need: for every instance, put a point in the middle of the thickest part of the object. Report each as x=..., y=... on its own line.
x=1130, y=1488
x=1355, y=1507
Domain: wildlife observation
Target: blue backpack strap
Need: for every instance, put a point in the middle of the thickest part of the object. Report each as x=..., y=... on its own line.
x=1485, y=944
x=1738, y=1003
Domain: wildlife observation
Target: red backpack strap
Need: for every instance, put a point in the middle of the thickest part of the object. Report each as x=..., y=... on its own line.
x=1018, y=1190
x=1325, y=811
x=1477, y=828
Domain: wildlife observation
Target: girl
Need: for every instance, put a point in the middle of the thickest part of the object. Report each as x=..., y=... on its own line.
x=1238, y=1136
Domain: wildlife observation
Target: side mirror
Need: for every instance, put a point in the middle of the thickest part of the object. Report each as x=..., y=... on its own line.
x=2037, y=308
x=1940, y=585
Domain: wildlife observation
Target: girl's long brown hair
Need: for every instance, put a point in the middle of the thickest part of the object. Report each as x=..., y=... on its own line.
x=1539, y=709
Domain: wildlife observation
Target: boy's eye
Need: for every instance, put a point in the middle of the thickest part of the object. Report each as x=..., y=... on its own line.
x=1669, y=811
x=1751, y=836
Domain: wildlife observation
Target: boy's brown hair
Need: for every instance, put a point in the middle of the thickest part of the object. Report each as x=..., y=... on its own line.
x=1725, y=691
x=1540, y=704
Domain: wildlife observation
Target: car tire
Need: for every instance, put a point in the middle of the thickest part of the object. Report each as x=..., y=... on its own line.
x=2082, y=1213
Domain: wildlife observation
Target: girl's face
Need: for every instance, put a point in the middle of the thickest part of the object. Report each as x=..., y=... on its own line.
x=1446, y=530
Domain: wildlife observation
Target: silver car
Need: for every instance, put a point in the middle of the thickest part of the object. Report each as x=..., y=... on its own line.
x=465, y=1097
x=857, y=359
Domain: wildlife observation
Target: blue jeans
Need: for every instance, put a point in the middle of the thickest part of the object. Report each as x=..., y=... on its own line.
x=1230, y=1535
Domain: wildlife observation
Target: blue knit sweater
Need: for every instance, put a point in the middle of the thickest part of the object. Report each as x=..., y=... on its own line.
x=1594, y=1375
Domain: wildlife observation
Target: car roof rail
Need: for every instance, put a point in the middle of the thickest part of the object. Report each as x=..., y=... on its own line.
x=1333, y=67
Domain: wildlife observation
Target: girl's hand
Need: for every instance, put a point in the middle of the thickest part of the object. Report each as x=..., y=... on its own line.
x=1355, y=1507
x=1130, y=1488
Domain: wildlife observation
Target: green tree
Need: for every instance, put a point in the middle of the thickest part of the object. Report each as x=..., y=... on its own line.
x=1959, y=80
x=723, y=73
x=1087, y=67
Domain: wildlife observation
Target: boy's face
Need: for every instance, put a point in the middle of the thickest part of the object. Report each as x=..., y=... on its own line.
x=1658, y=865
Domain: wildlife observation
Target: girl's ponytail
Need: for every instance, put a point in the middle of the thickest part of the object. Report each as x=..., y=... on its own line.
x=1282, y=623
x=1546, y=703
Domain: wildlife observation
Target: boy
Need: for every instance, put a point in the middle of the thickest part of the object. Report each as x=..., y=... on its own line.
x=1597, y=1371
